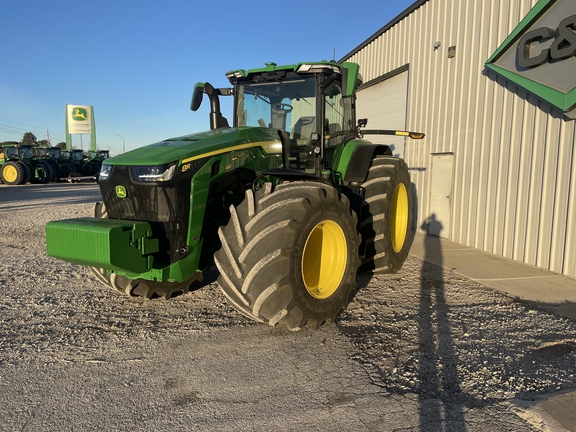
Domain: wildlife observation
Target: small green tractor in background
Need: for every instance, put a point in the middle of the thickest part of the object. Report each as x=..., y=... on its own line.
x=59, y=166
x=82, y=165
x=63, y=165
x=289, y=203
x=19, y=164
x=75, y=165
x=96, y=157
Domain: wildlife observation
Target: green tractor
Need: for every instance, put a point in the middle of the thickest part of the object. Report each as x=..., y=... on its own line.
x=19, y=165
x=289, y=203
x=75, y=166
x=51, y=156
x=63, y=165
x=82, y=165
x=96, y=157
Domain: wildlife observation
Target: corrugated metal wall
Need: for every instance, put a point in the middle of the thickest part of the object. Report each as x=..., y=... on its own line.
x=514, y=191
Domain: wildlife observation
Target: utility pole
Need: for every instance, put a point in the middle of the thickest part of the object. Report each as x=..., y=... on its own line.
x=123, y=143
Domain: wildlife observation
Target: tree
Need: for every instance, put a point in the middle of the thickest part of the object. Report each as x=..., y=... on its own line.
x=44, y=143
x=29, y=138
x=61, y=145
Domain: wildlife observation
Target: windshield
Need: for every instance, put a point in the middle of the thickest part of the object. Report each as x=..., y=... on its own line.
x=293, y=105
x=11, y=152
x=55, y=153
x=26, y=152
x=278, y=104
x=77, y=155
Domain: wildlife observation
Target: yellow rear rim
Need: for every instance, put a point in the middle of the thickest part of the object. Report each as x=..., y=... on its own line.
x=10, y=173
x=324, y=259
x=399, y=218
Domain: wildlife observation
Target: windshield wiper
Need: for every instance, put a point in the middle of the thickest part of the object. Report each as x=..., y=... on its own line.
x=292, y=90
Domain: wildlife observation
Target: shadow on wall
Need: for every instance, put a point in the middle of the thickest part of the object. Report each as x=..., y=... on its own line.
x=432, y=226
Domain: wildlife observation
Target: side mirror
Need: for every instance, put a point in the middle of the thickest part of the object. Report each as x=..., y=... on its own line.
x=197, y=96
x=349, y=78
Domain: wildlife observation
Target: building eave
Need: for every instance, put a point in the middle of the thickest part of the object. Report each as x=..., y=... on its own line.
x=384, y=29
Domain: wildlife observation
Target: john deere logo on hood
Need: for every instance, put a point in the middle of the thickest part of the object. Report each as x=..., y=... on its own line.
x=120, y=191
x=540, y=54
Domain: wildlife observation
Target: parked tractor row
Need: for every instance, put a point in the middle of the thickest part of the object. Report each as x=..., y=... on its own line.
x=24, y=163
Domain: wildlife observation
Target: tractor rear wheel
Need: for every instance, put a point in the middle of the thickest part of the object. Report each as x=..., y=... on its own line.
x=49, y=170
x=139, y=287
x=27, y=171
x=13, y=173
x=386, y=216
x=40, y=173
x=290, y=254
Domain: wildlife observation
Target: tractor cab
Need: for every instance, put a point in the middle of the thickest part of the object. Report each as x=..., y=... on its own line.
x=77, y=155
x=19, y=152
x=99, y=154
x=54, y=153
x=309, y=104
x=11, y=153
x=41, y=152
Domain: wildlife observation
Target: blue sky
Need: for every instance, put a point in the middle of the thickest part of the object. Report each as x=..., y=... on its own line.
x=136, y=62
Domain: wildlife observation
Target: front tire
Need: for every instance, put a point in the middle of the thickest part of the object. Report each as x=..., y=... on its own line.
x=386, y=216
x=289, y=254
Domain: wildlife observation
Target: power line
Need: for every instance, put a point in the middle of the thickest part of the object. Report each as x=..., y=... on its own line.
x=17, y=129
x=22, y=124
x=36, y=130
x=40, y=133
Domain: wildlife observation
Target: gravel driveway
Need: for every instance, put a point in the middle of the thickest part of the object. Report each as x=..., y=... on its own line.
x=421, y=350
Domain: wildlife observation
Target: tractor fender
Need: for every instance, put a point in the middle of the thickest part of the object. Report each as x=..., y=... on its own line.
x=361, y=159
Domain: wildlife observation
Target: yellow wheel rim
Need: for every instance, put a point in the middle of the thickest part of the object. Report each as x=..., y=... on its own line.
x=10, y=173
x=324, y=259
x=399, y=218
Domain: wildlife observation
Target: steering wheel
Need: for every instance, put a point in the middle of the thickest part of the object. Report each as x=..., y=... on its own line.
x=282, y=107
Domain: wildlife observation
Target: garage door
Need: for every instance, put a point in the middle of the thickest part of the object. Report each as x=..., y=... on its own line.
x=384, y=105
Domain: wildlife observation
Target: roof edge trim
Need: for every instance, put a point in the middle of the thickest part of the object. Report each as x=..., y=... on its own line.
x=384, y=29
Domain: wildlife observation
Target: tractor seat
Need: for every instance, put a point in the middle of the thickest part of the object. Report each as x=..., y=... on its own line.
x=303, y=129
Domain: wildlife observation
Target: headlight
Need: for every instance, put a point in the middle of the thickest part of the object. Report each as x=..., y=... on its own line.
x=153, y=173
x=105, y=172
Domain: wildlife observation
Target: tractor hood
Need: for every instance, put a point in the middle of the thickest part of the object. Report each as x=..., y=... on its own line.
x=201, y=145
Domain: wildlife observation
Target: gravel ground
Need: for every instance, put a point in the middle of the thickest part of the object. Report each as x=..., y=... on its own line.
x=458, y=353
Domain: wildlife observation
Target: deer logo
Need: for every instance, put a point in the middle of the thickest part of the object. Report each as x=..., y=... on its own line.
x=80, y=114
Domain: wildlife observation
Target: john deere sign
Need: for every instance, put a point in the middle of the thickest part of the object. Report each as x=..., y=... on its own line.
x=540, y=54
x=80, y=120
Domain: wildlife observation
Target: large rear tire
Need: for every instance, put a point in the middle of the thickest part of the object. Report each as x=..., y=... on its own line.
x=49, y=170
x=386, y=216
x=13, y=173
x=27, y=170
x=40, y=173
x=289, y=254
x=139, y=287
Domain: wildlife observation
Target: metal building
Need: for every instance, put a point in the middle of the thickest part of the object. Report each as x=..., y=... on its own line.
x=497, y=169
